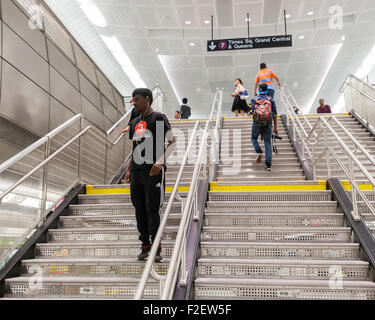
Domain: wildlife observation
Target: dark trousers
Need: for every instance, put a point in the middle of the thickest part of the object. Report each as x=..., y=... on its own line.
x=271, y=93
x=267, y=135
x=146, y=194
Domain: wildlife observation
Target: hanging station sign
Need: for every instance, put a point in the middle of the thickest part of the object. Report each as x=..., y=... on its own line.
x=250, y=43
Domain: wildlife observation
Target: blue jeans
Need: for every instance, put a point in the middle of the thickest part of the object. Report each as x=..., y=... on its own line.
x=271, y=93
x=255, y=132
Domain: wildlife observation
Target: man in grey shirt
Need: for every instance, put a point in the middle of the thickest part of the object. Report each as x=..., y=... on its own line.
x=185, y=110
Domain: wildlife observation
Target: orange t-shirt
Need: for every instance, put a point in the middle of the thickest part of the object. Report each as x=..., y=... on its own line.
x=265, y=76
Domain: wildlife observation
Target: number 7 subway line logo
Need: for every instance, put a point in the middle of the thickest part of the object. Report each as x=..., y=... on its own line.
x=223, y=45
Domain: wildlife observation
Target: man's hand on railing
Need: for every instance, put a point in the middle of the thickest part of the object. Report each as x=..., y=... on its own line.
x=126, y=130
x=155, y=170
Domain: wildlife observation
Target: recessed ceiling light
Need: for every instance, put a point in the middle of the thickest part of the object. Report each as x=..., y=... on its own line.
x=191, y=44
x=343, y=38
x=310, y=13
x=301, y=37
x=287, y=16
x=248, y=19
x=188, y=22
x=206, y=21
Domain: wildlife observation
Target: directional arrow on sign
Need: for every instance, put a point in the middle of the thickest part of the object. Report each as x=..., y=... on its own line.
x=212, y=46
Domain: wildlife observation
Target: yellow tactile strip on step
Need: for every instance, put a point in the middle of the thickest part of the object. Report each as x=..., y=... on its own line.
x=364, y=187
x=326, y=115
x=123, y=190
x=313, y=186
x=243, y=119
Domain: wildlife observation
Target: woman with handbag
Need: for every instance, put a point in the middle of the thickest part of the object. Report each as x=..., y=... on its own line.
x=240, y=95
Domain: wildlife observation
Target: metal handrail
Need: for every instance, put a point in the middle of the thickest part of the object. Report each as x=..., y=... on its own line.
x=5, y=165
x=346, y=82
x=320, y=127
x=46, y=141
x=43, y=163
x=350, y=174
x=213, y=106
x=307, y=137
x=150, y=261
x=179, y=253
x=178, y=259
x=295, y=103
x=117, y=124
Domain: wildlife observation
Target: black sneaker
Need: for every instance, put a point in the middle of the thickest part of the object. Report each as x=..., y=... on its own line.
x=158, y=257
x=144, y=253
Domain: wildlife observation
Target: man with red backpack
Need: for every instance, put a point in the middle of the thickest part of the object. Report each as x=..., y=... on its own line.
x=264, y=113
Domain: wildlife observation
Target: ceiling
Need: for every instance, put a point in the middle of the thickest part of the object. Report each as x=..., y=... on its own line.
x=170, y=53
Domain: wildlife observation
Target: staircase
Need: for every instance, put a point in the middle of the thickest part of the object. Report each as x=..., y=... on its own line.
x=273, y=236
x=93, y=252
x=237, y=156
x=359, y=133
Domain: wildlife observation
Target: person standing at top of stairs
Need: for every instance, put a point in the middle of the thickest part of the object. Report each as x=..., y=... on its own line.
x=146, y=171
x=185, y=110
x=264, y=110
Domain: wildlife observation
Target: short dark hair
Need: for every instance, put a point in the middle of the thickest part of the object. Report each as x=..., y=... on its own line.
x=177, y=111
x=239, y=80
x=144, y=92
x=184, y=100
x=263, y=65
x=263, y=87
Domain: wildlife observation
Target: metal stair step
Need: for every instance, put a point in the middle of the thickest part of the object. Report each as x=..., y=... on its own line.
x=231, y=179
x=247, y=143
x=281, y=269
x=249, y=147
x=107, y=221
x=279, y=159
x=112, y=209
x=250, y=156
x=103, y=234
x=238, y=196
x=323, y=234
x=224, y=288
x=272, y=207
x=274, y=220
x=280, y=250
x=113, y=198
x=94, y=249
x=256, y=172
x=84, y=287
x=253, y=165
x=89, y=267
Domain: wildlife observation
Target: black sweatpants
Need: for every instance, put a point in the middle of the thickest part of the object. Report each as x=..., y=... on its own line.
x=147, y=194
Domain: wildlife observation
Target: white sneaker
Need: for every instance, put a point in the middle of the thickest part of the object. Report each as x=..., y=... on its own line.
x=268, y=169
